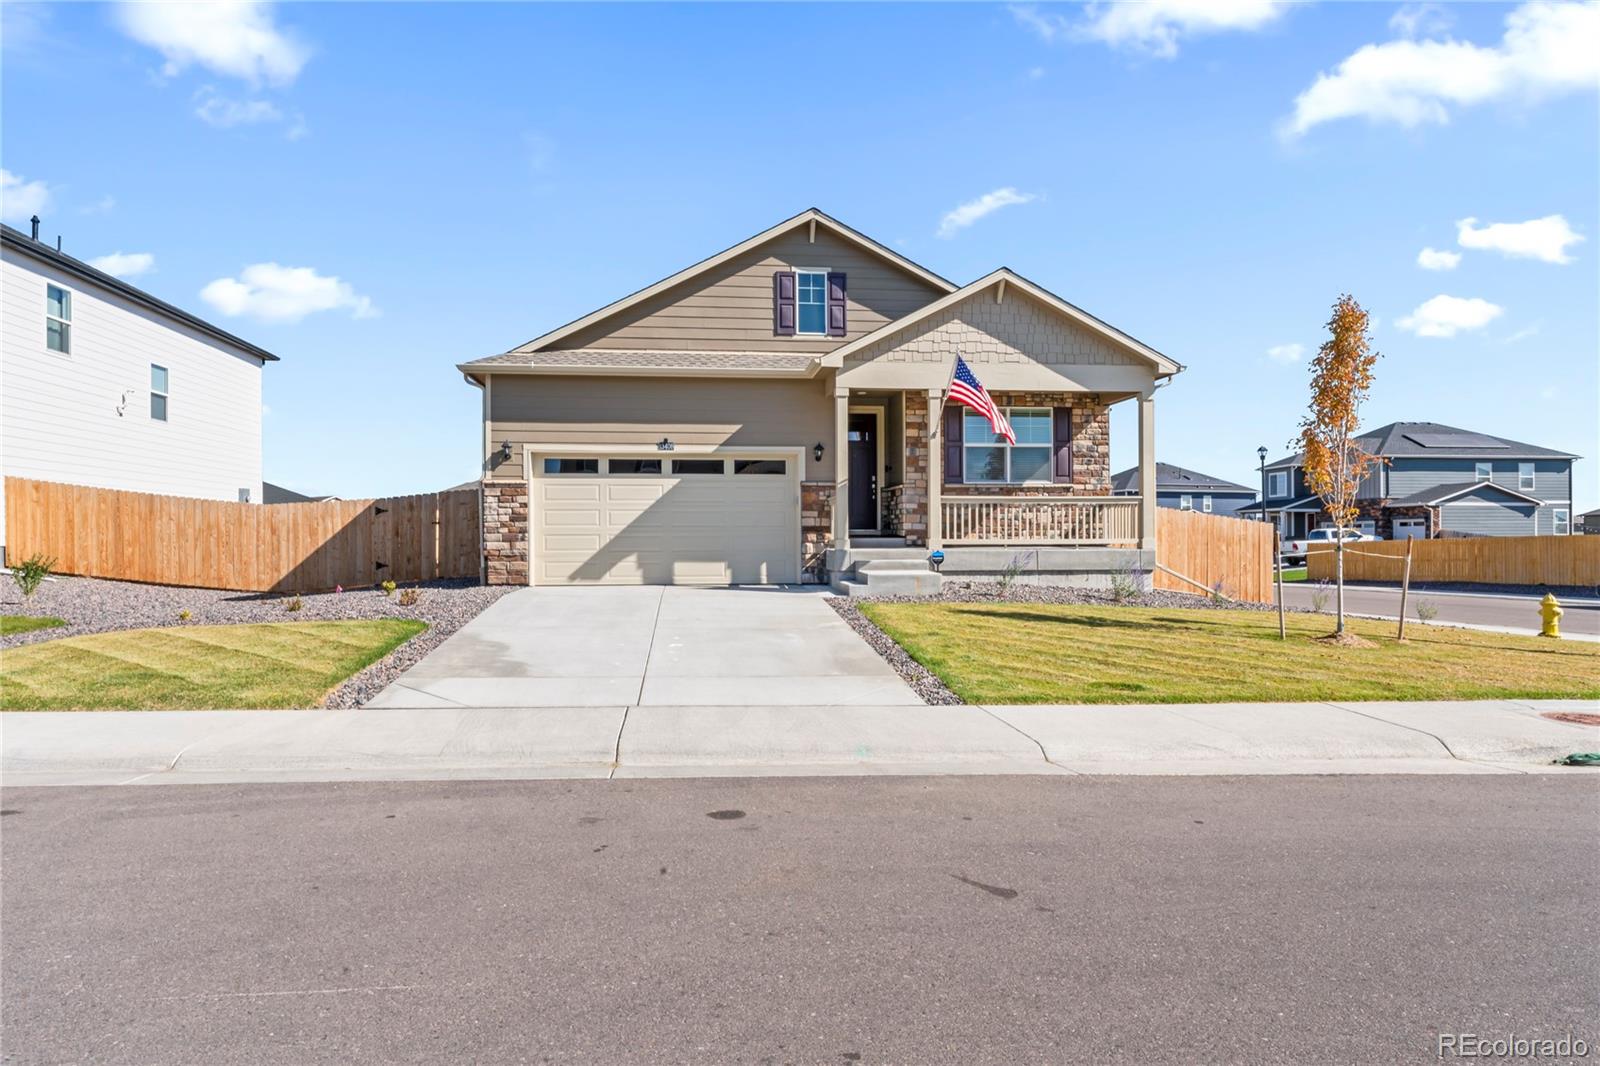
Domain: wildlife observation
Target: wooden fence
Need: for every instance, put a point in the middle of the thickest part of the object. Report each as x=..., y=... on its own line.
x=275, y=547
x=1212, y=550
x=1487, y=560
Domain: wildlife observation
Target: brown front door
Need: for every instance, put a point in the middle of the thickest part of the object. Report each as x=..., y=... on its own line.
x=864, y=470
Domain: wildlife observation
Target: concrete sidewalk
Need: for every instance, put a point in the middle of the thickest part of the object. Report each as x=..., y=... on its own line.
x=170, y=747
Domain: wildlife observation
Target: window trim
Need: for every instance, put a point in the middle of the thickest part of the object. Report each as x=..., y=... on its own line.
x=1185, y=502
x=1561, y=516
x=1526, y=474
x=823, y=273
x=1483, y=470
x=1272, y=479
x=165, y=394
x=64, y=321
x=1048, y=446
x=1205, y=504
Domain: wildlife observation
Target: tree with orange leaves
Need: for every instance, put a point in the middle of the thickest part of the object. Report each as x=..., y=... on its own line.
x=1334, y=463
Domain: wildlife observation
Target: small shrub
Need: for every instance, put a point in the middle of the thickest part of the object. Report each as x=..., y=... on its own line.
x=31, y=572
x=410, y=597
x=293, y=603
x=386, y=587
x=1319, y=596
x=1219, y=593
x=1427, y=610
x=184, y=616
x=1127, y=583
x=1009, y=574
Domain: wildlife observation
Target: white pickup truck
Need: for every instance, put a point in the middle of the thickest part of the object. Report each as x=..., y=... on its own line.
x=1294, y=551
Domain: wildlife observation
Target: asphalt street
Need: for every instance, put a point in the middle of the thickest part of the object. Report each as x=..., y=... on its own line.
x=841, y=920
x=1511, y=611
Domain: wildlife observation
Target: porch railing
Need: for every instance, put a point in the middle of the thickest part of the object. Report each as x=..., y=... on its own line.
x=1065, y=520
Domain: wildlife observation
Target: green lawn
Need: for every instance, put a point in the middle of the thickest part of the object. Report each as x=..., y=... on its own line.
x=1291, y=574
x=291, y=664
x=1028, y=653
x=21, y=623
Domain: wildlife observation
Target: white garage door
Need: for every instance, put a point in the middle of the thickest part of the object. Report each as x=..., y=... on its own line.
x=665, y=520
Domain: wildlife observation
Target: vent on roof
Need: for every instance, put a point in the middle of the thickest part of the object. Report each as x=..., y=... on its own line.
x=1453, y=440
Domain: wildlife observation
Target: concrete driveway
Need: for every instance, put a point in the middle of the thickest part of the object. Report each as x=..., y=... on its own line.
x=662, y=646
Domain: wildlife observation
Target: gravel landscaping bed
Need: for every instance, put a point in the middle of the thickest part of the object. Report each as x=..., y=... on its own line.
x=92, y=605
x=927, y=685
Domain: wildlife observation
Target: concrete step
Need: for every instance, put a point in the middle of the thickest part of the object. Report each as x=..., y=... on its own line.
x=889, y=583
x=891, y=566
x=867, y=555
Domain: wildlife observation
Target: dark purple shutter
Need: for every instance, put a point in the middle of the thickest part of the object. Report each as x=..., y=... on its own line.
x=1062, y=470
x=783, y=303
x=835, y=305
x=952, y=444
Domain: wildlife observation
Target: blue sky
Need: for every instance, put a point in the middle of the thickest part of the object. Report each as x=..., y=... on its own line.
x=378, y=192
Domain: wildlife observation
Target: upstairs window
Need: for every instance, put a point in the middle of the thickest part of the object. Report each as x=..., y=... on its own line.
x=1482, y=471
x=1277, y=483
x=1205, y=504
x=1185, y=503
x=1525, y=475
x=58, y=319
x=158, y=392
x=811, y=302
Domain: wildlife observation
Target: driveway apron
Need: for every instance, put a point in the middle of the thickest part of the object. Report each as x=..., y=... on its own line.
x=652, y=645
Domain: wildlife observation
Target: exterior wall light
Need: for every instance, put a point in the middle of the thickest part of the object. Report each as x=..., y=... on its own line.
x=816, y=451
x=505, y=451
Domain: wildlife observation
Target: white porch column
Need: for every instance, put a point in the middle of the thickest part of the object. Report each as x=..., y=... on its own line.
x=1147, y=472
x=935, y=471
x=841, y=468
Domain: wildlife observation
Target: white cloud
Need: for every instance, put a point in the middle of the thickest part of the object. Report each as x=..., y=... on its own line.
x=1445, y=316
x=124, y=264
x=237, y=38
x=1545, y=239
x=1286, y=353
x=987, y=204
x=1548, y=49
x=1434, y=259
x=1421, y=20
x=1523, y=334
x=224, y=112
x=274, y=293
x=20, y=200
x=1155, y=26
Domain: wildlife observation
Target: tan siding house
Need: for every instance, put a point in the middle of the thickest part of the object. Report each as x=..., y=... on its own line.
x=779, y=413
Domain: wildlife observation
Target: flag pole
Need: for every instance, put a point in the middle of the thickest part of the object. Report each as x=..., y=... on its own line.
x=937, y=422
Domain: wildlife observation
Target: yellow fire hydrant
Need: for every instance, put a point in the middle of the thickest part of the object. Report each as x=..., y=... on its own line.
x=1550, y=611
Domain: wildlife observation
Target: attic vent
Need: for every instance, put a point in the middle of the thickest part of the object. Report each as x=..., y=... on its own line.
x=1453, y=440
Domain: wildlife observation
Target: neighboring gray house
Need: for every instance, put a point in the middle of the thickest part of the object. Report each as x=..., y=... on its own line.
x=1436, y=481
x=1186, y=490
x=1588, y=522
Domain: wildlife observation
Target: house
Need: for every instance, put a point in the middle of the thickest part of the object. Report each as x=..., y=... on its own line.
x=102, y=384
x=271, y=493
x=775, y=413
x=1186, y=490
x=1588, y=522
x=1436, y=481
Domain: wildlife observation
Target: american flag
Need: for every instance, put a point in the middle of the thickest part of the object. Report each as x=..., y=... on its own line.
x=967, y=390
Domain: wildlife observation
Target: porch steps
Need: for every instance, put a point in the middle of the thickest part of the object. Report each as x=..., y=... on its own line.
x=900, y=576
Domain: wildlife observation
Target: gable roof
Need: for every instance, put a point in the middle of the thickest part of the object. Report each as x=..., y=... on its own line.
x=1438, y=494
x=22, y=243
x=1433, y=440
x=809, y=217
x=1165, y=367
x=1171, y=478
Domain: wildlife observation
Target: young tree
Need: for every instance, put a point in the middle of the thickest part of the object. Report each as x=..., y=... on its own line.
x=1334, y=464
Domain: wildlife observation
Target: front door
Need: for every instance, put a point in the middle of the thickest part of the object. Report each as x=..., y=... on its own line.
x=864, y=470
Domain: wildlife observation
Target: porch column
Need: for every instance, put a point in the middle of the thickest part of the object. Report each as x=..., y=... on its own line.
x=935, y=471
x=1147, y=472
x=841, y=468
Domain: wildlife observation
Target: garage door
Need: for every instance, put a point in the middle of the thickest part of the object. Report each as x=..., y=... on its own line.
x=661, y=520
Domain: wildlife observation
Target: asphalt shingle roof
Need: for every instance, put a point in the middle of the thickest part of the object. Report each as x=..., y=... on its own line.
x=1434, y=440
x=1170, y=478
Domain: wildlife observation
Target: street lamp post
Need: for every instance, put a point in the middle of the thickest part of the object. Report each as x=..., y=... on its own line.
x=1261, y=454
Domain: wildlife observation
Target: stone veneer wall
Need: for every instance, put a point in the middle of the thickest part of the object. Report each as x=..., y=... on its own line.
x=1091, y=448
x=911, y=521
x=505, y=532
x=816, y=529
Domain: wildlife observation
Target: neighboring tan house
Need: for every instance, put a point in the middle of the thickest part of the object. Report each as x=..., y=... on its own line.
x=1436, y=481
x=102, y=384
x=772, y=415
x=1186, y=490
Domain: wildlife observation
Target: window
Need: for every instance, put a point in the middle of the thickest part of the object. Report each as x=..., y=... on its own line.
x=1278, y=483
x=697, y=466
x=244, y=495
x=1482, y=471
x=58, y=319
x=811, y=302
x=1185, y=503
x=760, y=466
x=158, y=392
x=1205, y=504
x=987, y=458
x=1368, y=527
x=633, y=466
x=572, y=466
x=1560, y=521
x=1524, y=475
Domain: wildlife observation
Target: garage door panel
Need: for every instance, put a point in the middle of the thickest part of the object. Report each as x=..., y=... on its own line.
x=690, y=530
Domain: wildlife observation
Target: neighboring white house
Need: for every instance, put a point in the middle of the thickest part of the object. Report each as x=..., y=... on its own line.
x=102, y=384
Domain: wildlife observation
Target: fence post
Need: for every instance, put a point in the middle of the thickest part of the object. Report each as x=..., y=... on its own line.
x=1405, y=587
